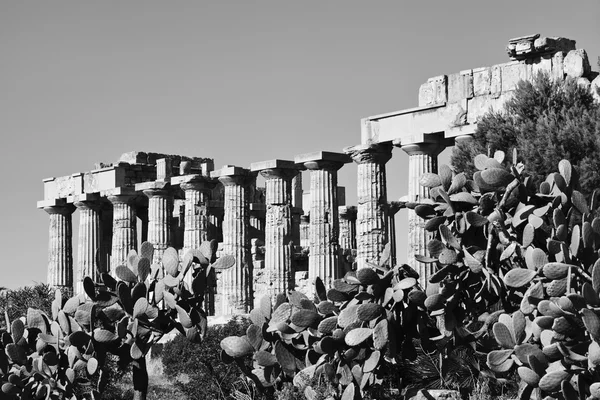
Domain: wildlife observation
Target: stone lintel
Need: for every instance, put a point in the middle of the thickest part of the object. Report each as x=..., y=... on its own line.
x=463, y=130
x=51, y=203
x=230, y=170
x=191, y=179
x=84, y=197
x=272, y=164
x=323, y=159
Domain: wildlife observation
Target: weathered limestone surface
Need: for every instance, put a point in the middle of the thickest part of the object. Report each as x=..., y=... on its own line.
x=277, y=276
x=90, y=236
x=197, y=190
x=124, y=237
x=106, y=219
x=324, y=247
x=372, y=216
x=160, y=206
x=422, y=159
x=347, y=227
x=576, y=63
x=60, y=246
x=236, y=282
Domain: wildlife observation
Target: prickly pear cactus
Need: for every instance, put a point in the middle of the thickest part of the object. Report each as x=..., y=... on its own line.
x=47, y=357
x=533, y=250
x=346, y=336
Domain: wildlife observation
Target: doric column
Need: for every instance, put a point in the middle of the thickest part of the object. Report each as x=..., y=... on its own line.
x=160, y=214
x=422, y=158
x=372, y=212
x=89, y=248
x=324, y=247
x=296, y=207
x=196, y=189
x=124, y=237
x=305, y=231
x=258, y=213
x=215, y=212
x=347, y=227
x=106, y=217
x=236, y=282
x=142, y=213
x=60, y=245
x=277, y=275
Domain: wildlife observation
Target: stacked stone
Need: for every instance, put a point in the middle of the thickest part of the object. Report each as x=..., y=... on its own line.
x=278, y=275
x=323, y=258
x=60, y=246
x=236, y=282
x=89, y=249
x=372, y=217
x=124, y=237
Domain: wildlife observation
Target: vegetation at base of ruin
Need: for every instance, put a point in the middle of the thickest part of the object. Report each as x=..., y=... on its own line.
x=197, y=370
x=17, y=301
x=547, y=120
x=61, y=354
x=502, y=242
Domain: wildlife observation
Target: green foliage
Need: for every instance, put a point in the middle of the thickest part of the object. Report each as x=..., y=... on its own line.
x=57, y=356
x=534, y=249
x=344, y=339
x=547, y=121
x=205, y=376
x=17, y=301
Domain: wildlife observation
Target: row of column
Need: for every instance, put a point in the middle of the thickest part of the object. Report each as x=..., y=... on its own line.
x=374, y=217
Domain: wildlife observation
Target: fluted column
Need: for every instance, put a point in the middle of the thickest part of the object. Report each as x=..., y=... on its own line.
x=236, y=282
x=60, y=246
x=277, y=276
x=347, y=227
x=215, y=213
x=372, y=212
x=142, y=213
x=323, y=258
x=124, y=236
x=89, y=247
x=422, y=159
x=160, y=215
x=196, y=189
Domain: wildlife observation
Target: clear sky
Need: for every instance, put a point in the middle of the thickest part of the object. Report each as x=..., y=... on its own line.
x=239, y=81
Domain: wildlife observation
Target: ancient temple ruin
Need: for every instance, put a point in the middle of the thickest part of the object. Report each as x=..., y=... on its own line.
x=280, y=243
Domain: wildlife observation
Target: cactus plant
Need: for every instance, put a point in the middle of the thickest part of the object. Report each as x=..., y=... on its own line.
x=530, y=251
x=47, y=357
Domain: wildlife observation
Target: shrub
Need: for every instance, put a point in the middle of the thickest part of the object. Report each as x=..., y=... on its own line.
x=198, y=369
x=17, y=301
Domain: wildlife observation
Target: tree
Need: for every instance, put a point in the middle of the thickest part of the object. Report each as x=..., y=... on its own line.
x=547, y=121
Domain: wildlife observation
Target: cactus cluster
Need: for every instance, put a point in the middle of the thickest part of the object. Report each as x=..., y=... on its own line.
x=532, y=252
x=345, y=336
x=46, y=358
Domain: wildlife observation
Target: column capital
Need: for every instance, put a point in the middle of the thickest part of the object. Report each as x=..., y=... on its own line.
x=62, y=209
x=379, y=153
x=194, y=182
x=347, y=212
x=156, y=188
x=230, y=175
x=276, y=168
x=120, y=195
x=87, y=201
x=322, y=160
x=429, y=144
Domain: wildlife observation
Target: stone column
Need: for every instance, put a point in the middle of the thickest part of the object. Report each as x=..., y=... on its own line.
x=372, y=212
x=60, y=245
x=305, y=231
x=323, y=258
x=196, y=189
x=296, y=207
x=106, y=216
x=160, y=214
x=124, y=237
x=278, y=275
x=393, y=208
x=236, y=282
x=347, y=227
x=142, y=214
x=215, y=212
x=422, y=158
x=89, y=249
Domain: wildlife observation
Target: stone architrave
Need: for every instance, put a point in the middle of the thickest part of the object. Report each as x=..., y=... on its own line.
x=90, y=236
x=347, y=238
x=372, y=211
x=277, y=276
x=422, y=158
x=236, y=282
x=323, y=259
x=160, y=215
x=124, y=237
x=60, y=244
